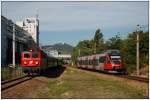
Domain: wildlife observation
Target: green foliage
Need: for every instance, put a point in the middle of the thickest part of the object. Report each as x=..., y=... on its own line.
x=143, y=48
x=114, y=42
x=98, y=41
x=88, y=47
x=74, y=55
x=6, y=74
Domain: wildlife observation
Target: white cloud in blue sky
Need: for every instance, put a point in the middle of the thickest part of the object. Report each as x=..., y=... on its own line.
x=74, y=21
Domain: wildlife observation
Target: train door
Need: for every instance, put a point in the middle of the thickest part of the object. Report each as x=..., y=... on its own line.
x=96, y=63
x=108, y=64
x=90, y=65
x=78, y=62
x=86, y=62
x=83, y=62
x=102, y=62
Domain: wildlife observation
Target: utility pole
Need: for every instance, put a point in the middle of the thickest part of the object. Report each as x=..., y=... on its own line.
x=13, y=58
x=13, y=42
x=137, y=51
x=37, y=26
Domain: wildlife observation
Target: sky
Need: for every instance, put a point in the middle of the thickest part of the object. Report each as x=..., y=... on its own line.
x=71, y=22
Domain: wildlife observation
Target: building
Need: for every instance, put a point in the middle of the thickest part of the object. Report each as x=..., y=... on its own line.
x=51, y=52
x=65, y=57
x=23, y=41
x=54, y=53
x=31, y=25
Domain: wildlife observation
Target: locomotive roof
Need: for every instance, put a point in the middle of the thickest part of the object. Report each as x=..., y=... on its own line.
x=26, y=51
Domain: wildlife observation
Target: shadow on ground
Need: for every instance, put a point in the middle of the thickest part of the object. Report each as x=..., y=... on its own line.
x=53, y=72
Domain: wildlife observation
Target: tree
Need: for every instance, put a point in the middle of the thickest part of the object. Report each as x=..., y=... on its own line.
x=84, y=44
x=74, y=55
x=98, y=41
x=130, y=50
x=83, y=47
x=114, y=43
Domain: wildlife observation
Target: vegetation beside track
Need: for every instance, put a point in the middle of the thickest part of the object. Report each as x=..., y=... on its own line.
x=10, y=73
x=78, y=84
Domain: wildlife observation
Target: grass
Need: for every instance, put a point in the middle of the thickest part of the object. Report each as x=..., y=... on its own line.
x=6, y=74
x=80, y=85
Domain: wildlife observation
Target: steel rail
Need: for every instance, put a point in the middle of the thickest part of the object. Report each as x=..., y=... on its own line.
x=10, y=83
x=137, y=78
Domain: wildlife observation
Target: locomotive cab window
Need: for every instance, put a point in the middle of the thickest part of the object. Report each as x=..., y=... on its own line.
x=35, y=55
x=26, y=55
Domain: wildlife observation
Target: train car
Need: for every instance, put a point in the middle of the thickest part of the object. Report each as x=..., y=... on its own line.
x=109, y=60
x=37, y=61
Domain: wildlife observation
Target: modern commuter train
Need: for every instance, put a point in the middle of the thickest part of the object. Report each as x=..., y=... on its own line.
x=110, y=61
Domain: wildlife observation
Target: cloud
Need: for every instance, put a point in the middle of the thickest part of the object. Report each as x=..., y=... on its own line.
x=79, y=16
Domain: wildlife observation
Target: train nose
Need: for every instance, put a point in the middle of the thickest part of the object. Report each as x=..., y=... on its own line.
x=117, y=66
x=31, y=62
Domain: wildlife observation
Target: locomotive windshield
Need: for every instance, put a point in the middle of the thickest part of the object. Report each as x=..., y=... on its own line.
x=116, y=60
x=113, y=52
x=35, y=55
x=26, y=55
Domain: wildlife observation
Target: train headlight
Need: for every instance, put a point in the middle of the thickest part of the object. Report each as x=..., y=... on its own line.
x=36, y=62
x=25, y=62
x=31, y=62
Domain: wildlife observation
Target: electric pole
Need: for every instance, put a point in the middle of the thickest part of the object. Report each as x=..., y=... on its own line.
x=137, y=50
x=13, y=58
x=13, y=42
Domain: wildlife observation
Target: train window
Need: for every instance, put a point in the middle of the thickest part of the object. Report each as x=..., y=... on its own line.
x=89, y=62
x=26, y=55
x=115, y=58
x=80, y=62
x=95, y=62
x=83, y=62
x=116, y=61
x=102, y=59
x=34, y=55
x=92, y=62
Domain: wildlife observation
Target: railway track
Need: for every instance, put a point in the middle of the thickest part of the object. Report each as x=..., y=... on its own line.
x=10, y=83
x=137, y=78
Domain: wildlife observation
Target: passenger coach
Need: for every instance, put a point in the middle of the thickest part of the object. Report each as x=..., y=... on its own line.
x=110, y=60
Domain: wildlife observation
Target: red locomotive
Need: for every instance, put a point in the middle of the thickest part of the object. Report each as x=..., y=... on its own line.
x=110, y=61
x=37, y=61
